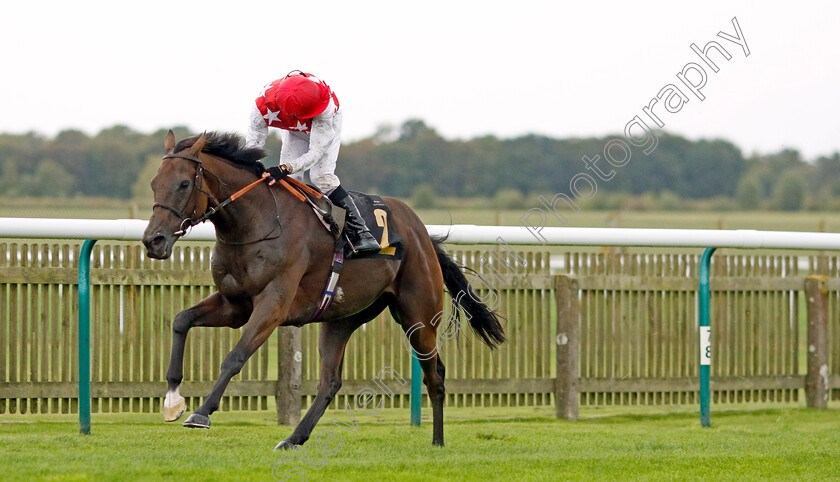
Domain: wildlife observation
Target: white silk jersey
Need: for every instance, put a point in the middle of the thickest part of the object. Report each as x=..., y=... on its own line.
x=314, y=149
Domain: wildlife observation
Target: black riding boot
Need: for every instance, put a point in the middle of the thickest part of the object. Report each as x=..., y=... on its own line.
x=360, y=237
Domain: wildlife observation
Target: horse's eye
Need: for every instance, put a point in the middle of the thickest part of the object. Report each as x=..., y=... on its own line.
x=184, y=185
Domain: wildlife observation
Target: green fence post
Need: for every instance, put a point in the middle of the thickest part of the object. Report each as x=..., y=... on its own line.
x=705, y=339
x=416, y=382
x=84, y=336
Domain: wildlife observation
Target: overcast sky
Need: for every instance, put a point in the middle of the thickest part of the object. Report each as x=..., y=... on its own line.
x=466, y=68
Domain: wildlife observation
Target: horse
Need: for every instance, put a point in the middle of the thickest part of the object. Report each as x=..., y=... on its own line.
x=270, y=263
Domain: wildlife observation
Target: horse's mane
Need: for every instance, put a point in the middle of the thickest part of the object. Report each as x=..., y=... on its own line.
x=227, y=146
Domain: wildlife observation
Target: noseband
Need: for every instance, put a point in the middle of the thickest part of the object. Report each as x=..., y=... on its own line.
x=191, y=220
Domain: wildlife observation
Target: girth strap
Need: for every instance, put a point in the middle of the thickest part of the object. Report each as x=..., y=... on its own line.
x=335, y=271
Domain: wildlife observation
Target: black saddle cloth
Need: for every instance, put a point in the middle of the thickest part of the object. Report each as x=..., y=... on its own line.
x=378, y=220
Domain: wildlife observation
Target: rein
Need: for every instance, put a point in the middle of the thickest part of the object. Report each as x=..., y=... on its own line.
x=188, y=222
x=297, y=188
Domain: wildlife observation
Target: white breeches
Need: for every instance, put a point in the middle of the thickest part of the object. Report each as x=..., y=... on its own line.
x=322, y=171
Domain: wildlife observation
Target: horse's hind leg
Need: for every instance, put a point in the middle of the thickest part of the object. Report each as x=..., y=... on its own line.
x=417, y=316
x=331, y=344
x=215, y=310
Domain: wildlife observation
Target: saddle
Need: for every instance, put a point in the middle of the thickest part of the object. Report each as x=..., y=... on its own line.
x=374, y=211
x=377, y=217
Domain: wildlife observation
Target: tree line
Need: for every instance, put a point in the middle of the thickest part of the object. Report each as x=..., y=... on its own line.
x=413, y=161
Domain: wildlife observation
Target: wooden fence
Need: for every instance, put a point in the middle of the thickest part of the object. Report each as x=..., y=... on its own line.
x=606, y=329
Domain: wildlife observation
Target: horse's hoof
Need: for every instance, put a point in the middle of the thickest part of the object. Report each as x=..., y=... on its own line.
x=197, y=420
x=171, y=414
x=285, y=445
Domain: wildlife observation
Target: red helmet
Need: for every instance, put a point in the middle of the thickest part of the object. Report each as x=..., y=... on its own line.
x=302, y=95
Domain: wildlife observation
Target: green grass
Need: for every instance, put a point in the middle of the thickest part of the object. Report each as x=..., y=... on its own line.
x=101, y=208
x=497, y=444
x=87, y=208
x=764, y=220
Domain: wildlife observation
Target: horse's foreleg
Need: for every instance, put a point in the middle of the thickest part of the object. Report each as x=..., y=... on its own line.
x=215, y=310
x=331, y=344
x=256, y=332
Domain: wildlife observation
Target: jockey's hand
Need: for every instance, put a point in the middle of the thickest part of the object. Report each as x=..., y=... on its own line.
x=276, y=173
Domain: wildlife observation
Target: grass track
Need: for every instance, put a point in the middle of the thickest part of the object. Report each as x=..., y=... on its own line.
x=482, y=444
x=637, y=443
x=101, y=208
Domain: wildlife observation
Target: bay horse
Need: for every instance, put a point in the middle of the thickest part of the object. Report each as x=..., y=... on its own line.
x=270, y=264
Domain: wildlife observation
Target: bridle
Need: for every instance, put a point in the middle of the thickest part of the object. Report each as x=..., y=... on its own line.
x=189, y=221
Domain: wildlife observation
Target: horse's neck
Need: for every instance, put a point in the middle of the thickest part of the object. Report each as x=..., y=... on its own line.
x=253, y=214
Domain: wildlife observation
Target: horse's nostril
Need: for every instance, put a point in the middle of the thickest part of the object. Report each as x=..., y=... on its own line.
x=156, y=247
x=154, y=242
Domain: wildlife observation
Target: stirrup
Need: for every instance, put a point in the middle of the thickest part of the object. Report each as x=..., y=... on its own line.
x=364, y=244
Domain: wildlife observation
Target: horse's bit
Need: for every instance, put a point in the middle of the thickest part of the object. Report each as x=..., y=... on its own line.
x=190, y=221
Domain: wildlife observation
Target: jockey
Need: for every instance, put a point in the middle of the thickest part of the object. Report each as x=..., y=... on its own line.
x=306, y=110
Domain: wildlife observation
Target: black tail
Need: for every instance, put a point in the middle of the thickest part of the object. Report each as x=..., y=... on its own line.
x=484, y=322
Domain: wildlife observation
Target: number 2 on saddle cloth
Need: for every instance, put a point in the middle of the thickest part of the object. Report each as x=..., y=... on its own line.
x=376, y=215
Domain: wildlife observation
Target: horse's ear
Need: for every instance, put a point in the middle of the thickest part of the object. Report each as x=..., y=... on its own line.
x=196, y=148
x=169, y=142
